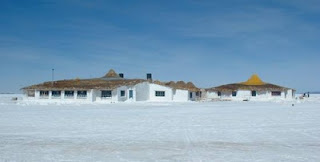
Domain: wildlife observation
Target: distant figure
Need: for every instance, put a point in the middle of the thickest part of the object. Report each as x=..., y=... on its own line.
x=308, y=94
x=304, y=94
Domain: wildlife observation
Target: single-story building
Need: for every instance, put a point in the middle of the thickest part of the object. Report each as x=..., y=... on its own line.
x=111, y=88
x=253, y=89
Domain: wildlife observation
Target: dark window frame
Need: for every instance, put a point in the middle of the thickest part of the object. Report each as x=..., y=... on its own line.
x=56, y=94
x=160, y=93
x=44, y=93
x=82, y=94
x=234, y=93
x=253, y=93
x=122, y=93
x=106, y=93
x=275, y=93
x=69, y=93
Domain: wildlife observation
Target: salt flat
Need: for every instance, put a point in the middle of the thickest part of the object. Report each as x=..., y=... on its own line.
x=208, y=131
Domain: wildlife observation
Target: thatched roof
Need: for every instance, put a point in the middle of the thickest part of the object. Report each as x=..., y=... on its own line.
x=254, y=80
x=179, y=85
x=109, y=81
x=84, y=84
x=253, y=83
x=111, y=74
x=239, y=86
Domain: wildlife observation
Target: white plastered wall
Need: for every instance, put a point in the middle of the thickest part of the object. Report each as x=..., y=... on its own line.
x=180, y=95
x=155, y=87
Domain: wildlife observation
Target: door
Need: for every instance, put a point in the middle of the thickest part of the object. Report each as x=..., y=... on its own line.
x=130, y=94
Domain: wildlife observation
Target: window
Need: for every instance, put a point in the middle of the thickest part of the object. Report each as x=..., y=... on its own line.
x=106, y=94
x=82, y=94
x=234, y=93
x=253, y=93
x=44, y=93
x=275, y=93
x=219, y=93
x=190, y=94
x=30, y=93
x=122, y=93
x=160, y=93
x=56, y=93
x=130, y=93
x=68, y=94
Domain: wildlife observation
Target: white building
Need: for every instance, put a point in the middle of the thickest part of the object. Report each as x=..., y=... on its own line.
x=253, y=89
x=111, y=88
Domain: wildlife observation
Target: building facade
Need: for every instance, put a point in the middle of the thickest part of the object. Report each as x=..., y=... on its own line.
x=254, y=89
x=111, y=88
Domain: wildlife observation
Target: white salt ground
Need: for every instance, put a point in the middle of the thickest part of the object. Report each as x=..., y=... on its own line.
x=208, y=131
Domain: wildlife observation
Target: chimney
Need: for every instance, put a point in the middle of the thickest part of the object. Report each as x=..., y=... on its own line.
x=149, y=76
x=121, y=75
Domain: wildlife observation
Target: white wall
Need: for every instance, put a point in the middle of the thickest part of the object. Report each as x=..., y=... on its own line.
x=155, y=87
x=126, y=97
x=247, y=94
x=146, y=92
x=211, y=95
x=180, y=95
x=142, y=91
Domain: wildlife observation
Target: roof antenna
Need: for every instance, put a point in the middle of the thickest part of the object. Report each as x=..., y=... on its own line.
x=52, y=76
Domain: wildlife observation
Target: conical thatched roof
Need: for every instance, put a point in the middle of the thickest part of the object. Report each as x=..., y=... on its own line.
x=253, y=83
x=254, y=80
x=111, y=74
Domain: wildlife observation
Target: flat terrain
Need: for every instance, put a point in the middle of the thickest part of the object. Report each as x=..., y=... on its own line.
x=209, y=131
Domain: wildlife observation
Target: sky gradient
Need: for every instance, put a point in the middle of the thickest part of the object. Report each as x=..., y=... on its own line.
x=204, y=41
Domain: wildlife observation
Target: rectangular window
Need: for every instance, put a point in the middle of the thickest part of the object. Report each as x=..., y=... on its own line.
x=82, y=94
x=160, y=93
x=31, y=93
x=106, y=94
x=68, y=94
x=122, y=93
x=275, y=93
x=190, y=94
x=44, y=94
x=130, y=93
x=56, y=93
x=253, y=93
x=234, y=93
x=219, y=93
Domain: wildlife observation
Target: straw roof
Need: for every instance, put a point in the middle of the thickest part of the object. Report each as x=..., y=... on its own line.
x=84, y=84
x=254, y=80
x=179, y=85
x=109, y=81
x=111, y=74
x=253, y=83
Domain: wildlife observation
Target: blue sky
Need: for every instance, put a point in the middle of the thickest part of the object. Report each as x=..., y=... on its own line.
x=204, y=41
